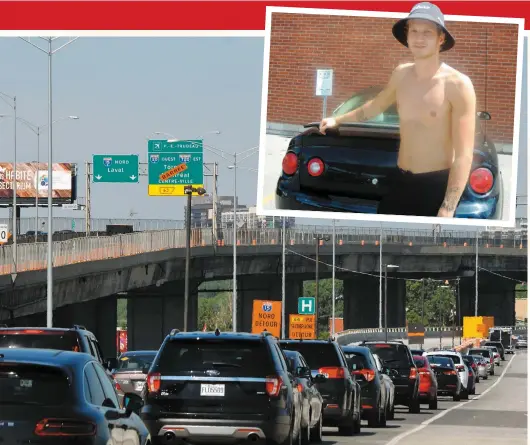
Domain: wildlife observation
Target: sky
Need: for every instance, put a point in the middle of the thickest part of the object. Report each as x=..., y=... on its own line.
x=124, y=89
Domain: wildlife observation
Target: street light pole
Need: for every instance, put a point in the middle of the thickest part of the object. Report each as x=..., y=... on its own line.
x=316, y=287
x=386, y=299
x=284, y=318
x=234, y=250
x=333, y=285
x=188, y=190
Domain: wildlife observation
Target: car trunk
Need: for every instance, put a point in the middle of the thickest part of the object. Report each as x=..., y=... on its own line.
x=359, y=162
x=396, y=358
x=130, y=381
x=214, y=379
x=31, y=393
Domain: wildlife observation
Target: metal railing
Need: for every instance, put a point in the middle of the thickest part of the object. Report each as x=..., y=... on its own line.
x=32, y=256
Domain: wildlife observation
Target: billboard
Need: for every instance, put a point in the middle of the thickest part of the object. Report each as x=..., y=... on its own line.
x=32, y=178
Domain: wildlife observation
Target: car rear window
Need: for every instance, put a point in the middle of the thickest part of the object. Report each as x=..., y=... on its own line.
x=33, y=385
x=134, y=362
x=393, y=356
x=456, y=360
x=61, y=340
x=419, y=362
x=317, y=355
x=233, y=358
x=356, y=361
x=290, y=357
x=481, y=352
x=440, y=361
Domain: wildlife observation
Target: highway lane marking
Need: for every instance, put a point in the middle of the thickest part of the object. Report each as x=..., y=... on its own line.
x=425, y=423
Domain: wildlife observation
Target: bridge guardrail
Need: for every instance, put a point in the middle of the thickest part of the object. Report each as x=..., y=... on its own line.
x=32, y=256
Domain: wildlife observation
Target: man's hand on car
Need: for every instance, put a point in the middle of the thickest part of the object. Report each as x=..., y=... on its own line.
x=328, y=122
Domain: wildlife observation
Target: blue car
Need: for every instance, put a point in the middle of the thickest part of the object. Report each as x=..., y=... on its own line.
x=349, y=169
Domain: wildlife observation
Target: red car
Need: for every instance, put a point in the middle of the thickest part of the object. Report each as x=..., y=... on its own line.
x=428, y=384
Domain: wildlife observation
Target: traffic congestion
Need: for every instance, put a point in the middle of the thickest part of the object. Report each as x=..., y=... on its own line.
x=227, y=388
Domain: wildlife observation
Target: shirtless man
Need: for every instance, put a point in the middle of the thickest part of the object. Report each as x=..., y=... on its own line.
x=437, y=112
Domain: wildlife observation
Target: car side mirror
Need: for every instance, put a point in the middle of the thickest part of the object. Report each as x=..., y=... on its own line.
x=320, y=378
x=484, y=116
x=132, y=403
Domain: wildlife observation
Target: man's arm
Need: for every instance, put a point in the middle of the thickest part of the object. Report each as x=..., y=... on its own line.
x=463, y=102
x=377, y=105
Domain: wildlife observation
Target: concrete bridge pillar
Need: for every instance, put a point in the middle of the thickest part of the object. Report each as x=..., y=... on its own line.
x=154, y=312
x=262, y=287
x=496, y=298
x=361, y=302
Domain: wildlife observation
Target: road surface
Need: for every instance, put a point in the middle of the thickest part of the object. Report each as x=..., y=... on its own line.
x=496, y=414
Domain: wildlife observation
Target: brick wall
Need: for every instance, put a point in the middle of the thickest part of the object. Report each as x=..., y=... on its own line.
x=362, y=52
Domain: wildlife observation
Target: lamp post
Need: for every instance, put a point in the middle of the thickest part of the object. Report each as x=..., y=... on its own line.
x=318, y=238
x=49, y=263
x=37, y=130
x=387, y=266
x=188, y=190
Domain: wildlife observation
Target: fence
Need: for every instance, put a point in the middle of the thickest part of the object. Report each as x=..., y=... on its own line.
x=32, y=256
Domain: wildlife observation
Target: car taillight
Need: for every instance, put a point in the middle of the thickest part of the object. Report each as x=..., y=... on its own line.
x=368, y=374
x=451, y=372
x=413, y=373
x=290, y=163
x=315, y=167
x=332, y=373
x=153, y=381
x=481, y=180
x=459, y=368
x=424, y=372
x=118, y=387
x=273, y=385
x=65, y=427
x=300, y=387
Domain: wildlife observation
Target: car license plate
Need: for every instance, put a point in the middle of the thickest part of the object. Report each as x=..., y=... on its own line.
x=212, y=390
x=138, y=386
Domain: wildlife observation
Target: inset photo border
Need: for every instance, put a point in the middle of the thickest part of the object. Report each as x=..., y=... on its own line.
x=359, y=67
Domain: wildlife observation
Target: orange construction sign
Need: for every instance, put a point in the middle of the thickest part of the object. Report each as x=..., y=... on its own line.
x=302, y=327
x=267, y=315
x=173, y=172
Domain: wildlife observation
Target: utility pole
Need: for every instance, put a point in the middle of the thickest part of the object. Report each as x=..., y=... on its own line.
x=88, y=175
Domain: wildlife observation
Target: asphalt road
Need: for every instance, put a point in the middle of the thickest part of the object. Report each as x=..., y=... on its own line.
x=496, y=414
x=275, y=149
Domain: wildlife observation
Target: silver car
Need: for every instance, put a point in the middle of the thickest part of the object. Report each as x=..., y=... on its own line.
x=496, y=354
x=482, y=366
x=487, y=354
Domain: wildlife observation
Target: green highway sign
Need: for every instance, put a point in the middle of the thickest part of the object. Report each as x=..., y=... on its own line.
x=115, y=168
x=306, y=305
x=174, y=165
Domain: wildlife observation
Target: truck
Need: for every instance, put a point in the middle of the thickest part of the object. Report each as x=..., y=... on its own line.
x=504, y=335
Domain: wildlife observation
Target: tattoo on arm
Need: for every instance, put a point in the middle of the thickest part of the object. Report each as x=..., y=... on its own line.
x=451, y=199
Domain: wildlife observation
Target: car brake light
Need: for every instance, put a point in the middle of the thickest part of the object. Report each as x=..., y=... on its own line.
x=273, y=385
x=413, y=373
x=424, y=371
x=459, y=368
x=153, y=381
x=332, y=373
x=65, y=427
x=315, y=167
x=368, y=374
x=118, y=387
x=290, y=163
x=300, y=387
x=451, y=372
x=481, y=180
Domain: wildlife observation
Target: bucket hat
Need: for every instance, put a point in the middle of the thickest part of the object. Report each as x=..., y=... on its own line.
x=424, y=11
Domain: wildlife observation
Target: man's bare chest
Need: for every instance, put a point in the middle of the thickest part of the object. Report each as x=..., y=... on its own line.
x=425, y=103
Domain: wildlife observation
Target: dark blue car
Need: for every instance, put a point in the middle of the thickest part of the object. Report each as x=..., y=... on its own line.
x=349, y=169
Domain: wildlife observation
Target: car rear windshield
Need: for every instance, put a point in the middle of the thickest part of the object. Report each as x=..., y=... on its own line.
x=440, y=361
x=134, y=362
x=482, y=352
x=232, y=358
x=493, y=343
x=356, y=361
x=456, y=360
x=393, y=356
x=33, y=385
x=420, y=362
x=61, y=340
x=317, y=355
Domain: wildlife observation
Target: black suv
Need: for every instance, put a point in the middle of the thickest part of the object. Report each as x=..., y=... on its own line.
x=399, y=364
x=340, y=391
x=76, y=339
x=220, y=387
x=498, y=345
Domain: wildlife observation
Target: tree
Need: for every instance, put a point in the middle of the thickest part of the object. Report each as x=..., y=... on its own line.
x=521, y=291
x=216, y=312
x=325, y=290
x=437, y=303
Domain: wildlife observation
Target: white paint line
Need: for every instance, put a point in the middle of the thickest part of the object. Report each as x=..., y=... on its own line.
x=424, y=424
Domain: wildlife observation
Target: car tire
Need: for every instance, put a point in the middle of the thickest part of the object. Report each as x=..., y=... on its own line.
x=316, y=431
x=391, y=413
x=465, y=394
x=414, y=406
x=305, y=434
x=477, y=379
x=382, y=419
x=456, y=397
x=433, y=403
x=348, y=428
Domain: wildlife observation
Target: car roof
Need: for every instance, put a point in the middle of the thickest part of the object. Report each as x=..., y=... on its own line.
x=355, y=348
x=221, y=335
x=78, y=329
x=313, y=342
x=43, y=356
x=444, y=352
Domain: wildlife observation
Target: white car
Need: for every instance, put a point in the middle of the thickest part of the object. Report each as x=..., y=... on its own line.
x=496, y=355
x=460, y=365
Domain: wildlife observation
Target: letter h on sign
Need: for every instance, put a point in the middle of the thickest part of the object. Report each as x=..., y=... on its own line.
x=306, y=305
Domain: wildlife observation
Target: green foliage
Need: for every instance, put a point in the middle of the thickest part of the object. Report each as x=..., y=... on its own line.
x=435, y=301
x=122, y=313
x=325, y=290
x=521, y=292
x=216, y=312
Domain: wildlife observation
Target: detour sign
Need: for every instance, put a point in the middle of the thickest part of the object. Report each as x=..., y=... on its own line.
x=301, y=327
x=267, y=315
